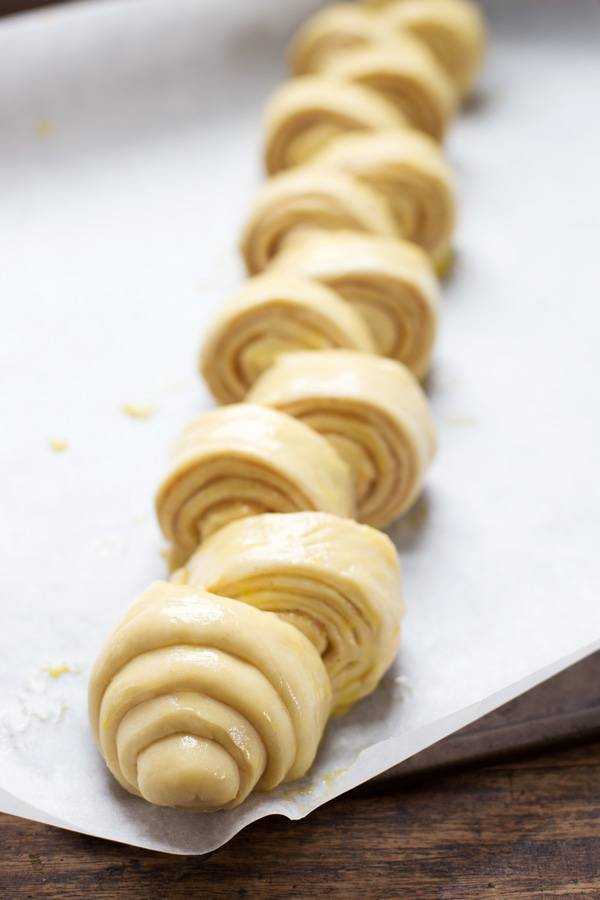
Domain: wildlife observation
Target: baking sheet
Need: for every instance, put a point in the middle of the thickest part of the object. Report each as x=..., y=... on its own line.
x=129, y=150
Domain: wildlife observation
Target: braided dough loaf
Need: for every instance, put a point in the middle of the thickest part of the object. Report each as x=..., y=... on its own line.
x=372, y=411
x=309, y=197
x=406, y=73
x=268, y=315
x=389, y=283
x=242, y=460
x=335, y=580
x=196, y=700
x=304, y=114
x=408, y=170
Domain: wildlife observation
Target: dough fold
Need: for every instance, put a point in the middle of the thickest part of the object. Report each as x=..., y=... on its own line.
x=453, y=30
x=304, y=114
x=371, y=410
x=271, y=314
x=241, y=460
x=335, y=580
x=337, y=28
x=196, y=700
x=407, y=74
x=309, y=197
x=389, y=283
x=408, y=170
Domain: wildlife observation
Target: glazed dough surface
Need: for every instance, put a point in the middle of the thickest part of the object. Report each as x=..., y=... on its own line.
x=271, y=314
x=336, y=28
x=407, y=74
x=305, y=114
x=241, y=460
x=371, y=410
x=408, y=170
x=453, y=30
x=309, y=197
x=196, y=700
x=335, y=580
x=390, y=284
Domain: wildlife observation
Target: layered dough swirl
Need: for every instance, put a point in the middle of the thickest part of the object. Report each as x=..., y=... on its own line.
x=310, y=197
x=304, y=114
x=271, y=314
x=408, y=171
x=196, y=700
x=336, y=28
x=335, y=580
x=407, y=74
x=371, y=410
x=389, y=283
x=453, y=30
x=242, y=460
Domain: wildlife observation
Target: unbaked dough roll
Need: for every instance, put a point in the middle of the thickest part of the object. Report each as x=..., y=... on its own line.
x=334, y=29
x=196, y=700
x=271, y=314
x=390, y=284
x=335, y=580
x=304, y=114
x=453, y=30
x=309, y=197
x=241, y=460
x=373, y=412
x=408, y=169
x=406, y=73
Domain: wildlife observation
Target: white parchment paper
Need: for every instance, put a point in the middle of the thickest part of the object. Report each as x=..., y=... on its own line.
x=129, y=150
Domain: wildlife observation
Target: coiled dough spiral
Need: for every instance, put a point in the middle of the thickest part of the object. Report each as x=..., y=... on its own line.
x=373, y=412
x=304, y=114
x=196, y=700
x=453, y=30
x=406, y=73
x=242, y=460
x=309, y=197
x=335, y=580
x=408, y=170
x=271, y=314
x=389, y=283
x=337, y=28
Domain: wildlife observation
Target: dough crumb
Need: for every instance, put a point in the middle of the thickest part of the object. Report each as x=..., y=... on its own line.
x=58, y=669
x=138, y=410
x=58, y=445
x=44, y=129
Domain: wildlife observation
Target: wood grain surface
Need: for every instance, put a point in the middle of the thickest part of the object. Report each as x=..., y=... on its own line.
x=524, y=828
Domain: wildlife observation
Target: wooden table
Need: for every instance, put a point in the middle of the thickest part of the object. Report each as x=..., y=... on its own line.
x=525, y=828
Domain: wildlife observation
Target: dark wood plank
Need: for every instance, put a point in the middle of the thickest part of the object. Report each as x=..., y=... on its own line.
x=527, y=828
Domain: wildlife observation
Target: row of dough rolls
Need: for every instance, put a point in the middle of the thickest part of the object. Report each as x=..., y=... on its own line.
x=285, y=604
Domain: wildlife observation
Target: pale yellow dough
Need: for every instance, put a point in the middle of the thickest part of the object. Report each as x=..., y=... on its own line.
x=197, y=700
x=372, y=411
x=406, y=73
x=310, y=197
x=335, y=580
x=389, y=283
x=408, y=170
x=454, y=31
x=304, y=114
x=241, y=460
x=336, y=28
x=271, y=314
